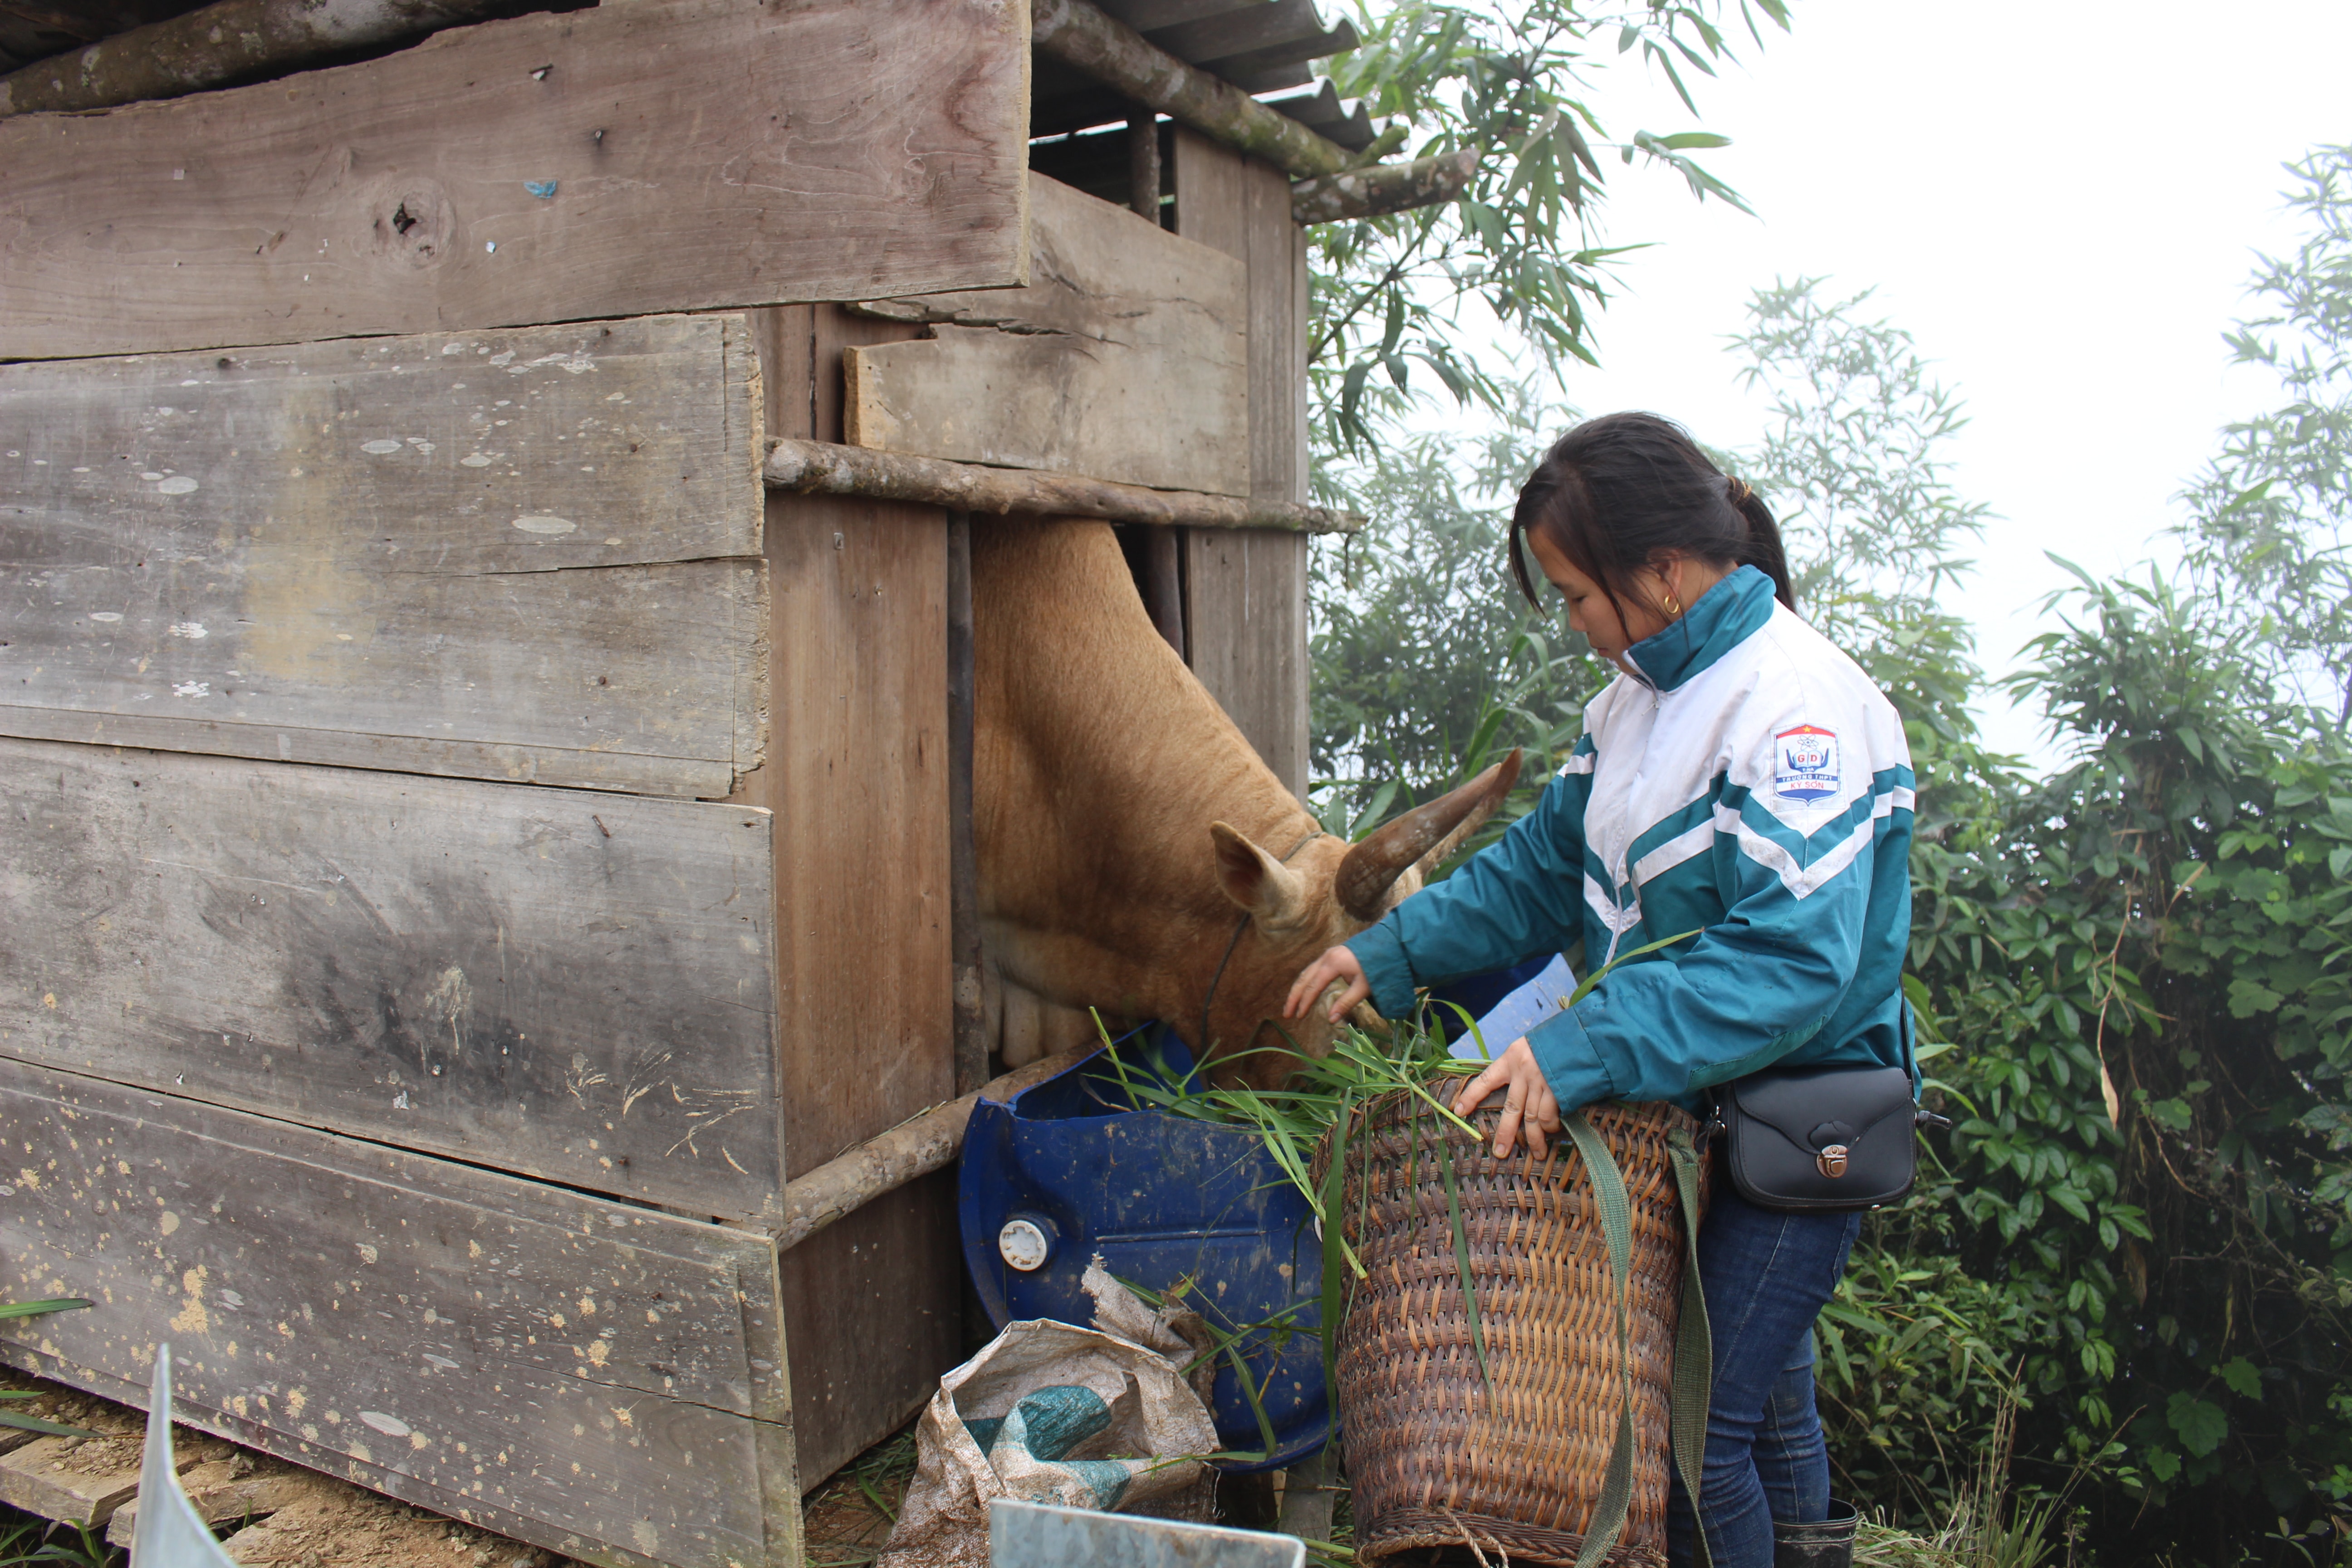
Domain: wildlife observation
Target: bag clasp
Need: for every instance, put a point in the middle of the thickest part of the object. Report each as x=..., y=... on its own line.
x=1832, y=1160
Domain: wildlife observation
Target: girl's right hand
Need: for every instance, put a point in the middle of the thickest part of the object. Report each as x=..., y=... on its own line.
x=1335, y=965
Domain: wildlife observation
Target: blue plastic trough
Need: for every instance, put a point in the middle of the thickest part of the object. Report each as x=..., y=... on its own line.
x=1071, y=1168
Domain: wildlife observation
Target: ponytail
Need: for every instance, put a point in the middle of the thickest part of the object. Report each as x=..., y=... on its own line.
x=1763, y=549
x=1617, y=492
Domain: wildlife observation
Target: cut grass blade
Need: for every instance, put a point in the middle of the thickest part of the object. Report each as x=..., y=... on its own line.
x=1250, y=1392
x=1335, y=1248
x=46, y=1428
x=1462, y=1263
x=34, y=1308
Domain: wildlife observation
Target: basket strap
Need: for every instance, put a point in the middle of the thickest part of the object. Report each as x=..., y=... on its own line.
x=1694, y=1347
x=1617, y=1225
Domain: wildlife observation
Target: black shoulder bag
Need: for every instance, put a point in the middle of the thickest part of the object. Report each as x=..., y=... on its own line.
x=1823, y=1138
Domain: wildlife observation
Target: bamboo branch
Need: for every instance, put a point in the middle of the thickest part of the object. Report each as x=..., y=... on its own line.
x=913, y=1149
x=1111, y=51
x=822, y=467
x=227, y=42
x=1383, y=188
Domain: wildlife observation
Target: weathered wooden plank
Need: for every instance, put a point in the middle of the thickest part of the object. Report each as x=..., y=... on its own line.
x=83, y=1480
x=603, y=1379
x=858, y=600
x=570, y=984
x=1124, y=359
x=670, y=155
x=243, y=1487
x=1246, y=593
x=346, y=553
x=873, y=1304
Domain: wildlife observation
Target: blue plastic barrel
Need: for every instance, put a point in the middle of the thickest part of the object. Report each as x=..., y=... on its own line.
x=1072, y=1168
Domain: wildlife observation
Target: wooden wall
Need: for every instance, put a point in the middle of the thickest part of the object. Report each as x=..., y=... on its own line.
x=434, y=788
x=227, y=953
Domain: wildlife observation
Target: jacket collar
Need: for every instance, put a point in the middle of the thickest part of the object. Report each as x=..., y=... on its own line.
x=1724, y=617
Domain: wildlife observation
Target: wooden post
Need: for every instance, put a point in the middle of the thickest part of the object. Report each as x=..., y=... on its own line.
x=1143, y=163
x=963, y=857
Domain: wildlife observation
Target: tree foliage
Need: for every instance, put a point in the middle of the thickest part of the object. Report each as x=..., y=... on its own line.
x=1427, y=663
x=1524, y=244
x=2273, y=510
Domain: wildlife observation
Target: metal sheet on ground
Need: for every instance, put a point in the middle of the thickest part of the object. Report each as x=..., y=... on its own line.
x=603, y=1379
x=575, y=986
x=528, y=554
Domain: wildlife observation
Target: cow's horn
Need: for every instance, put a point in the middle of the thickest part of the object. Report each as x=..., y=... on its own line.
x=1425, y=835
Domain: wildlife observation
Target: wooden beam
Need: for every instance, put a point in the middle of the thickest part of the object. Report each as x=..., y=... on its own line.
x=527, y=555
x=913, y=1149
x=662, y=155
x=823, y=467
x=963, y=857
x=1383, y=188
x=1111, y=51
x=213, y=45
x=1333, y=188
x=573, y=985
x=600, y=1378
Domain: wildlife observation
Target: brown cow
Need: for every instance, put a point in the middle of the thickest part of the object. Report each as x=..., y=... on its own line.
x=1129, y=840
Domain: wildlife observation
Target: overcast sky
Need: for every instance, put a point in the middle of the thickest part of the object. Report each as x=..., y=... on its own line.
x=2059, y=201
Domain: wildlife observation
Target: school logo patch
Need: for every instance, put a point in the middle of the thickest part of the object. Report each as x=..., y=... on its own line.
x=1808, y=764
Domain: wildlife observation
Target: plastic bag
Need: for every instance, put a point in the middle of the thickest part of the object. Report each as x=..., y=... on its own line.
x=1051, y=1413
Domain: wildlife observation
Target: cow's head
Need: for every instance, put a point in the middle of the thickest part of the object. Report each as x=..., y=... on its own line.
x=1328, y=891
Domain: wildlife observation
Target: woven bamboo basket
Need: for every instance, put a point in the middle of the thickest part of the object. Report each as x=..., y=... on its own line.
x=1436, y=1457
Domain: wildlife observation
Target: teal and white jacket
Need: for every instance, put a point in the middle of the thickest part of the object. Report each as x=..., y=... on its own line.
x=1756, y=789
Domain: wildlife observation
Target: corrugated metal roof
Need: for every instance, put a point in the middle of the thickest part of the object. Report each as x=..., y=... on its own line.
x=1259, y=45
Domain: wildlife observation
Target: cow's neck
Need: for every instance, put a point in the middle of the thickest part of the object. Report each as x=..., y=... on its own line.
x=1101, y=763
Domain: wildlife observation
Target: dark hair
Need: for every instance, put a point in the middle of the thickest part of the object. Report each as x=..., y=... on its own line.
x=1617, y=492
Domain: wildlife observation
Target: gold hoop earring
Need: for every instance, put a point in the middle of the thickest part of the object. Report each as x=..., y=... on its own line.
x=1673, y=607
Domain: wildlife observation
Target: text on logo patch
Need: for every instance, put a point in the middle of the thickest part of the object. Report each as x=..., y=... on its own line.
x=1807, y=763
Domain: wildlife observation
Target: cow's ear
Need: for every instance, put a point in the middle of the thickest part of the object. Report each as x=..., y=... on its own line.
x=1255, y=880
x=1422, y=837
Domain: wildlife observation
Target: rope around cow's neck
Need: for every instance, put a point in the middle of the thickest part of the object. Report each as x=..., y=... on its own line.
x=1233, y=941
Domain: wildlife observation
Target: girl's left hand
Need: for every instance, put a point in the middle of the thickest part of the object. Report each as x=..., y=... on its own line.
x=1528, y=1103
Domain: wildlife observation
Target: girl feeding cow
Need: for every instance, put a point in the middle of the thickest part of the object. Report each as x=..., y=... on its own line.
x=1741, y=779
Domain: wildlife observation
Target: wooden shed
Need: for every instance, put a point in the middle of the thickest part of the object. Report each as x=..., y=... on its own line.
x=475, y=825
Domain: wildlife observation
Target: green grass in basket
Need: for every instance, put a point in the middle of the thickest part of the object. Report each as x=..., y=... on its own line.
x=1321, y=1098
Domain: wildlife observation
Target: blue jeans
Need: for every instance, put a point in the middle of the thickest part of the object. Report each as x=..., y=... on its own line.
x=1766, y=1276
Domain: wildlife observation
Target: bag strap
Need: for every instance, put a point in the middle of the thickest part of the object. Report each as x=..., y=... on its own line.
x=1694, y=1346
